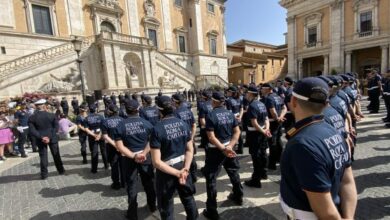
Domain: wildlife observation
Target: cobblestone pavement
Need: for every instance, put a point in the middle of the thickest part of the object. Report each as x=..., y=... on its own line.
x=82, y=195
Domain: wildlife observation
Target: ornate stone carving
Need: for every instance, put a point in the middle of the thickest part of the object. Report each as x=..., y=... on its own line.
x=315, y=18
x=358, y=3
x=108, y=3
x=149, y=8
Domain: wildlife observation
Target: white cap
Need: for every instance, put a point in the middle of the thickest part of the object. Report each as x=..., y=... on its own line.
x=40, y=102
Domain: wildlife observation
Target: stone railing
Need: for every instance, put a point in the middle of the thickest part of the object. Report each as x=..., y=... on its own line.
x=211, y=80
x=40, y=57
x=174, y=65
x=125, y=38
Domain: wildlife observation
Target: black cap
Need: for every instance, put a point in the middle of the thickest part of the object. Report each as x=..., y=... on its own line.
x=289, y=80
x=206, y=94
x=232, y=89
x=345, y=77
x=311, y=89
x=113, y=108
x=177, y=98
x=266, y=85
x=164, y=102
x=327, y=80
x=218, y=96
x=253, y=90
x=131, y=104
x=92, y=107
x=147, y=98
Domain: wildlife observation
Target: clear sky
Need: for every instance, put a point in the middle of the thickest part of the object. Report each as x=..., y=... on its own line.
x=258, y=20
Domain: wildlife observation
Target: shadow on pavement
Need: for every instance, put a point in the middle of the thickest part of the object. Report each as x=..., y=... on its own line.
x=372, y=180
x=366, y=207
x=105, y=191
x=247, y=213
x=369, y=162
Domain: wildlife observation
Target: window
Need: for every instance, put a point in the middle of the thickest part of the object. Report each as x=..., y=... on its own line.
x=366, y=22
x=42, y=20
x=190, y=23
x=153, y=36
x=210, y=7
x=182, y=44
x=107, y=26
x=179, y=3
x=312, y=36
x=3, y=50
x=213, y=46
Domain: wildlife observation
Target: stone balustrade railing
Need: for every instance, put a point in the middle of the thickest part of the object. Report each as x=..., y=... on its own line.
x=105, y=35
x=210, y=80
x=174, y=65
x=39, y=57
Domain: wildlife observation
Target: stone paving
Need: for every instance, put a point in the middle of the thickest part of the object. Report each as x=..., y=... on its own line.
x=82, y=195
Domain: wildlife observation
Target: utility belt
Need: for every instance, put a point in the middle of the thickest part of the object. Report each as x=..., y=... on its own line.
x=96, y=131
x=254, y=129
x=386, y=93
x=175, y=160
x=372, y=88
x=294, y=214
x=224, y=144
x=236, y=114
x=21, y=128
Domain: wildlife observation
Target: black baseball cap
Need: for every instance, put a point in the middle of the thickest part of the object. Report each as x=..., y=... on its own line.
x=113, y=108
x=311, y=89
x=253, y=90
x=289, y=80
x=164, y=102
x=232, y=89
x=177, y=98
x=327, y=80
x=131, y=104
x=218, y=96
x=266, y=85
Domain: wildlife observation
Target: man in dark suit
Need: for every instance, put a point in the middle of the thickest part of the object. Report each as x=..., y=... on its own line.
x=44, y=126
x=65, y=106
x=75, y=105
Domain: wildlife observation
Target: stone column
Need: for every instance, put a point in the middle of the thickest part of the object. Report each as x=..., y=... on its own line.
x=198, y=25
x=336, y=26
x=300, y=68
x=348, y=61
x=292, y=62
x=132, y=12
x=326, y=65
x=166, y=14
x=385, y=55
x=224, y=43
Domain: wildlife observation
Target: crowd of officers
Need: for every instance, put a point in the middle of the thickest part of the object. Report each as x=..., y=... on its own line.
x=156, y=142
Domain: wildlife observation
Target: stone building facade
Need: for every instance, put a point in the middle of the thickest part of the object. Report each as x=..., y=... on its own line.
x=127, y=44
x=254, y=62
x=328, y=36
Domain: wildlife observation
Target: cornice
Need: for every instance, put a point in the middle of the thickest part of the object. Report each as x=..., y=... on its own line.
x=289, y=3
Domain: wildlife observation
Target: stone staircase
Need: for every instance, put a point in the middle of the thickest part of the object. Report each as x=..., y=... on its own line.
x=206, y=81
x=181, y=72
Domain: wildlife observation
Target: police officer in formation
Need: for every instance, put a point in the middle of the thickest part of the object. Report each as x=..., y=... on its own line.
x=386, y=97
x=114, y=157
x=257, y=134
x=204, y=108
x=223, y=134
x=132, y=139
x=149, y=112
x=288, y=85
x=95, y=140
x=75, y=105
x=276, y=112
x=374, y=90
x=234, y=104
x=316, y=183
x=172, y=154
x=65, y=106
x=81, y=123
x=184, y=113
x=44, y=126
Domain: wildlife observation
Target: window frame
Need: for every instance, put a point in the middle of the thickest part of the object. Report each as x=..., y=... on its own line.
x=211, y=46
x=208, y=3
x=179, y=46
x=156, y=32
x=177, y=5
x=51, y=16
x=361, y=7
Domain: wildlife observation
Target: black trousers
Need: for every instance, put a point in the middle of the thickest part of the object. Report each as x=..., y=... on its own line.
x=387, y=104
x=275, y=144
x=83, y=143
x=289, y=122
x=258, y=145
x=215, y=159
x=194, y=166
x=240, y=145
x=116, y=162
x=204, y=140
x=65, y=111
x=166, y=185
x=146, y=173
x=55, y=152
x=22, y=138
x=33, y=141
x=374, y=100
x=94, y=148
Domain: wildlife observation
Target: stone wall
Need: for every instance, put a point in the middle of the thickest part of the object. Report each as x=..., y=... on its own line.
x=209, y=65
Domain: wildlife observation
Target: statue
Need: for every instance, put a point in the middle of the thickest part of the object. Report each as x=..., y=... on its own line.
x=149, y=8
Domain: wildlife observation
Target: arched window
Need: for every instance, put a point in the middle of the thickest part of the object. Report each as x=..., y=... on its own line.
x=107, y=26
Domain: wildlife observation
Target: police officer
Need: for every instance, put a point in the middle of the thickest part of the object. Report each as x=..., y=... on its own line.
x=172, y=154
x=223, y=133
x=386, y=97
x=21, y=121
x=113, y=98
x=234, y=104
x=316, y=183
x=149, y=112
x=75, y=105
x=182, y=112
x=65, y=106
x=114, y=157
x=95, y=139
x=374, y=90
x=289, y=122
x=81, y=123
x=132, y=140
x=276, y=112
x=44, y=126
x=257, y=134
x=205, y=108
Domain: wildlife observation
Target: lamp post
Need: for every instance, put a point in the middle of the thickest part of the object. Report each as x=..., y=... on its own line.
x=77, y=44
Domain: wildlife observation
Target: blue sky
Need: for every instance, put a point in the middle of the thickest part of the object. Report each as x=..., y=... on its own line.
x=258, y=20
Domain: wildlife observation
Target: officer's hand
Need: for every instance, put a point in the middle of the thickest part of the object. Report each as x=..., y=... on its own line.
x=267, y=133
x=281, y=119
x=229, y=152
x=183, y=176
x=46, y=140
x=140, y=158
